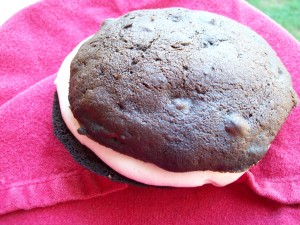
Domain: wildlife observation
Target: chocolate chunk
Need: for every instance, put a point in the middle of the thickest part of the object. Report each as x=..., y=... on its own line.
x=82, y=131
x=236, y=125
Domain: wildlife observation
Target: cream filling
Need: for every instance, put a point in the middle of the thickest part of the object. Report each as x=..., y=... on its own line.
x=130, y=167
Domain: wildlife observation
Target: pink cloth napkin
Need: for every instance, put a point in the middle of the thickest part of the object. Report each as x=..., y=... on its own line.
x=37, y=173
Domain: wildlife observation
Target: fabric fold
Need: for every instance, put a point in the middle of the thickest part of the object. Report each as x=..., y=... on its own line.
x=35, y=169
x=44, y=192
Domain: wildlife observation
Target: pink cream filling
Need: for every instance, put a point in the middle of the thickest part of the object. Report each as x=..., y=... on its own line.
x=130, y=167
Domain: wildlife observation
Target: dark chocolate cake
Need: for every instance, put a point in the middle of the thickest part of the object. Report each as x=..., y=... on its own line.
x=185, y=90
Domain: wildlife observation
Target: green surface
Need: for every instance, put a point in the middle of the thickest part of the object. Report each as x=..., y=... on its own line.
x=284, y=12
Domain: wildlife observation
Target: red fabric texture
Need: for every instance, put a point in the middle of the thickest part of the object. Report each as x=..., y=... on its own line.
x=37, y=173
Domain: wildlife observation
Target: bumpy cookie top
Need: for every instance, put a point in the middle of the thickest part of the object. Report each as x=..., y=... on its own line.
x=185, y=90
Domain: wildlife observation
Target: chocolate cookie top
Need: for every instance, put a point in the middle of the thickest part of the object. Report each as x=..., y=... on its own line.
x=185, y=90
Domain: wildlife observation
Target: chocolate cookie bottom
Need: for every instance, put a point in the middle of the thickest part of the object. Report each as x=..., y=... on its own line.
x=80, y=153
